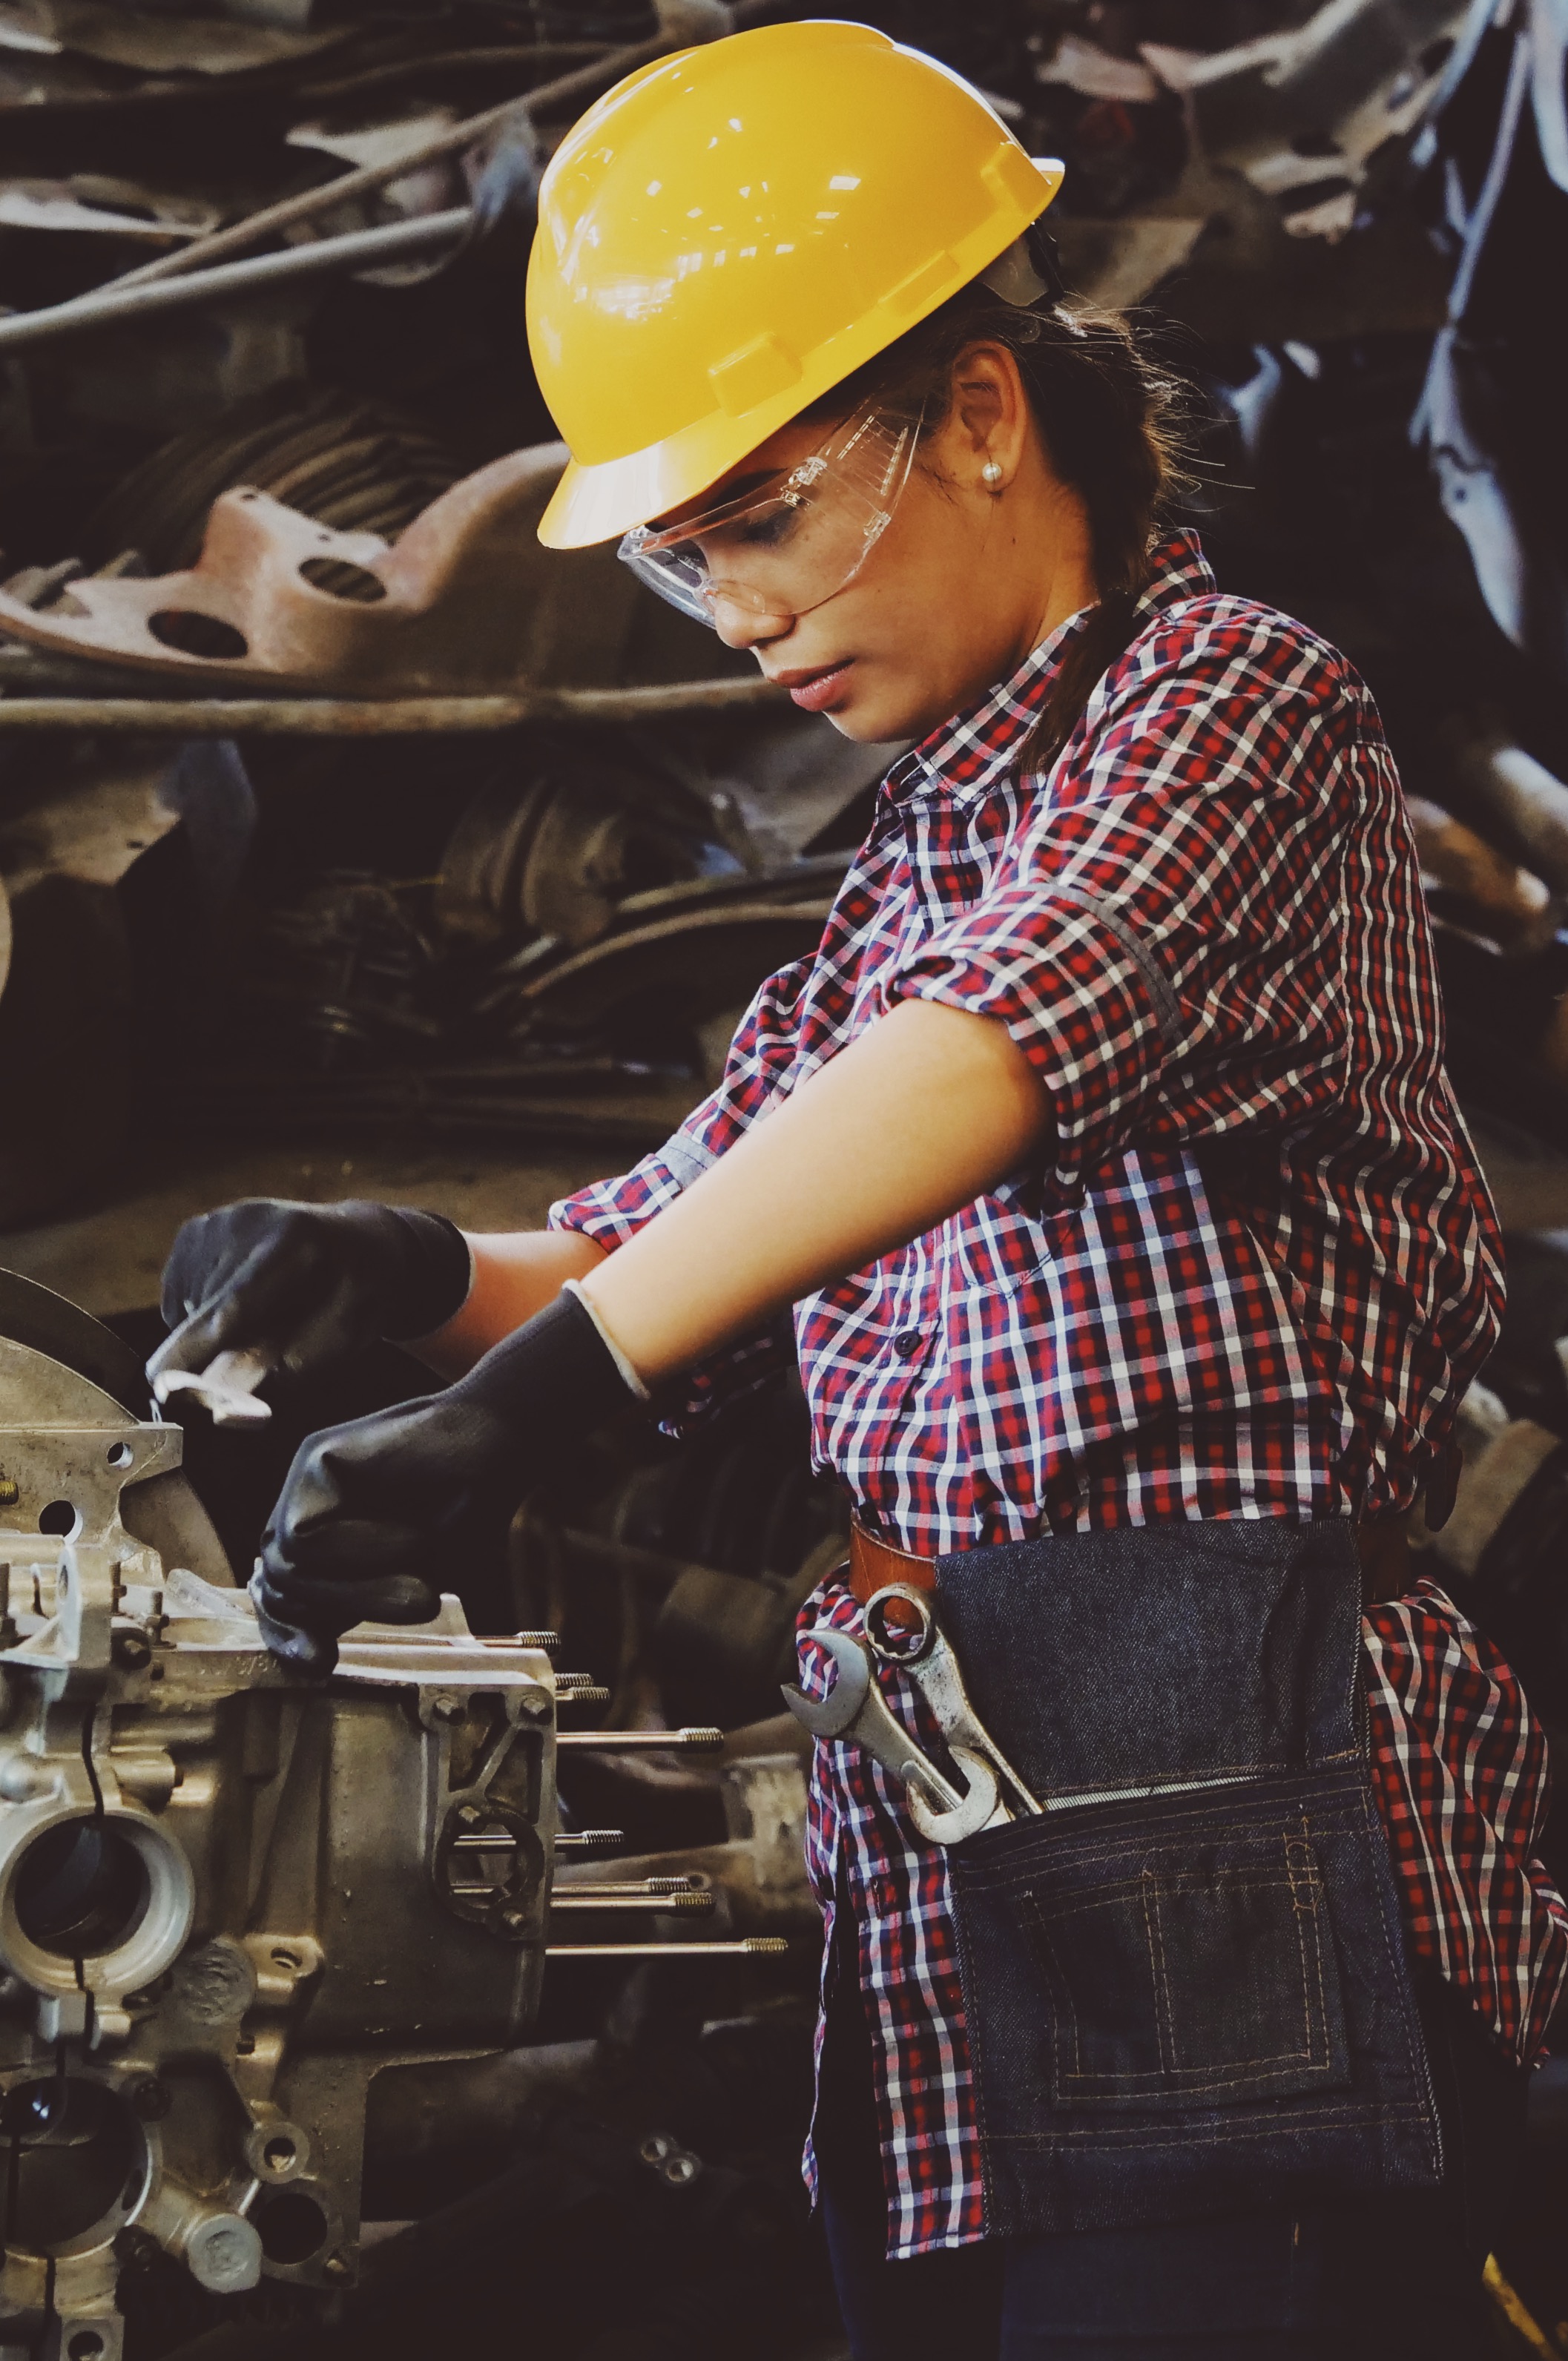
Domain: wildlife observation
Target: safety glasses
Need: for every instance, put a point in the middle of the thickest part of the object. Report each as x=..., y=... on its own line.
x=792, y=542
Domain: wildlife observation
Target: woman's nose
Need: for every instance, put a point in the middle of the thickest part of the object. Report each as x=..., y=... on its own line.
x=741, y=625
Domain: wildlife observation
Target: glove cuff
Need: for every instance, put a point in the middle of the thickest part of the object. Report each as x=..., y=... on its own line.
x=439, y=1273
x=556, y=1371
x=628, y=1375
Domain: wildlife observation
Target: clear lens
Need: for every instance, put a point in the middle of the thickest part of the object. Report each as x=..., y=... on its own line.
x=784, y=549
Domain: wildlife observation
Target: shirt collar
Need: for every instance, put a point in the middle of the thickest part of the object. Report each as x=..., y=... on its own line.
x=963, y=756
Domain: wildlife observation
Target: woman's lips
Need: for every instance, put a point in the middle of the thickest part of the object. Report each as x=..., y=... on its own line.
x=817, y=693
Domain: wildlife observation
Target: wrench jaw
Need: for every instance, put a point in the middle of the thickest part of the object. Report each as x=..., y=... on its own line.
x=832, y=1716
x=981, y=1807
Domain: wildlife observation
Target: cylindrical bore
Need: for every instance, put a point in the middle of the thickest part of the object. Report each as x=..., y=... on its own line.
x=95, y=1901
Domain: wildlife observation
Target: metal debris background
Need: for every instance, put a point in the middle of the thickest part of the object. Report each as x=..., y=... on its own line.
x=245, y=906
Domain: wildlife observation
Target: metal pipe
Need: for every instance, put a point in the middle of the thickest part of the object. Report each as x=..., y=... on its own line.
x=107, y=305
x=425, y=70
x=376, y=717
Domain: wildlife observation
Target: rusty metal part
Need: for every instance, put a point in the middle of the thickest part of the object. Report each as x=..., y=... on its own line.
x=357, y=466
x=357, y=250
x=444, y=610
x=337, y=717
x=467, y=602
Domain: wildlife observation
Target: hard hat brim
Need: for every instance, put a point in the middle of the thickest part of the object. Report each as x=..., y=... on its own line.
x=599, y=502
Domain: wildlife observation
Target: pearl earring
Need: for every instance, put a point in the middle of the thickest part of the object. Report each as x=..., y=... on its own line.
x=991, y=475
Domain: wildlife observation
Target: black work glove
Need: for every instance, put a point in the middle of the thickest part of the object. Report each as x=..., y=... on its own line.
x=308, y=1284
x=376, y=1516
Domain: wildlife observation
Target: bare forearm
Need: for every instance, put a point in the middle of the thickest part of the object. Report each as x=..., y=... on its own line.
x=516, y=1274
x=922, y=1114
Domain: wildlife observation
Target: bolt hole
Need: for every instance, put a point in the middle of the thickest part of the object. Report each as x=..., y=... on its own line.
x=119, y=1455
x=339, y=580
x=197, y=635
x=59, y=1517
x=85, y=2346
x=287, y=1960
x=280, y=2154
x=291, y=2225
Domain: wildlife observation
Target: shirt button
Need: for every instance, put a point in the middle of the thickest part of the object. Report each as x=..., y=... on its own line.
x=906, y=1343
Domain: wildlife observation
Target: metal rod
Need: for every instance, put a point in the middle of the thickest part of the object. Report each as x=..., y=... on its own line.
x=756, y=1946
x=591, y=1841
x=584, y=1693
x=572, y=1900
x=448, y=61
x=635, y=1885
x=582, y=82
x=388, y=717
x=109, y=305
x=692, y=1741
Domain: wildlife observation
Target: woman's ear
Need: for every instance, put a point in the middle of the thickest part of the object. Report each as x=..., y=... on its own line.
x=990, y=418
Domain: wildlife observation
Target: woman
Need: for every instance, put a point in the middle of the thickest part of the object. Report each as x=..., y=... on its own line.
x=1137, y=1257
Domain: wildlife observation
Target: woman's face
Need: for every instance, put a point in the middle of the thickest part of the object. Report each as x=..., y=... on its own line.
x=967, y=578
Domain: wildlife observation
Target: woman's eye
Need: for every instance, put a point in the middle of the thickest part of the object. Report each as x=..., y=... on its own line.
x=767, y=530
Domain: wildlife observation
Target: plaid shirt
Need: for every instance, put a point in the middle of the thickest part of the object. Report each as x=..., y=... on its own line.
x=1250, y=1274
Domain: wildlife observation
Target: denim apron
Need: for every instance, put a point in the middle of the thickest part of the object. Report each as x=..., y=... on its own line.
x=1196, y=2000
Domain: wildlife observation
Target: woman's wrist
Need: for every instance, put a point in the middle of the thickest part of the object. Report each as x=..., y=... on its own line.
x=514, y=1275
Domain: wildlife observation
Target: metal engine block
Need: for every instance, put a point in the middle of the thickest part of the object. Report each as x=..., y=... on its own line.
x=228, y=1896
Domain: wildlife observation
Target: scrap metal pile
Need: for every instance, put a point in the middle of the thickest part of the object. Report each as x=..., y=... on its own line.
x=495, y=844
x=331, y=804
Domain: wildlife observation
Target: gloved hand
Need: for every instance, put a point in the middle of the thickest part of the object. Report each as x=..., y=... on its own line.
x=308, y=1283
x=375, y=1515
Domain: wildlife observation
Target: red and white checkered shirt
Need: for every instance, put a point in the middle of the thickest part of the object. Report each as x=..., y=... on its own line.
x=1250, y=1275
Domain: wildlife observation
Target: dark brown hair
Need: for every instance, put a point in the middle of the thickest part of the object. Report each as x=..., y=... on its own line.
x=1112, y=420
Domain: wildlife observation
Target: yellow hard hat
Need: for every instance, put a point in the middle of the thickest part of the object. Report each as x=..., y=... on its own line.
x=731, y=231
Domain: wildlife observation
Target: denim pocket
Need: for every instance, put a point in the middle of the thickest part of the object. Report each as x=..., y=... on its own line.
x=1195, y=1974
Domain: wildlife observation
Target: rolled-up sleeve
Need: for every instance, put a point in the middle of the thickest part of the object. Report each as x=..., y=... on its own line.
x=1170, y=915
x=612, y=1212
